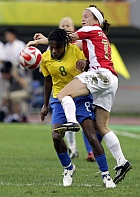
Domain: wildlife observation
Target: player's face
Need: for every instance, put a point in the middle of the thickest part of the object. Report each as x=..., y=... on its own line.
x=67, y=25
x=56, y=52
x=88, y=19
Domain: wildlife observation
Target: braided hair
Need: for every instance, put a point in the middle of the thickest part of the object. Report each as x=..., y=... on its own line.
x=61, y=36
x=105, y=25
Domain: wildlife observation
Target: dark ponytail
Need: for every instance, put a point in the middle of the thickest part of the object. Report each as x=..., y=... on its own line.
x=105, y=26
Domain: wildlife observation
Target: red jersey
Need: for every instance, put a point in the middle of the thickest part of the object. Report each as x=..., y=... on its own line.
x=96, y=47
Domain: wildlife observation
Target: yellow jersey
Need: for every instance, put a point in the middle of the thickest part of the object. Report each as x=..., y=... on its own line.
x=62, y=71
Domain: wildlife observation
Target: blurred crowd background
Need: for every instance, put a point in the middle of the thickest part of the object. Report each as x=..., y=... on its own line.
x=21, y=91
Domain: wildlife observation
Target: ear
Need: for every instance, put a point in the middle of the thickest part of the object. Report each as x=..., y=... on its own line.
x=96, y=21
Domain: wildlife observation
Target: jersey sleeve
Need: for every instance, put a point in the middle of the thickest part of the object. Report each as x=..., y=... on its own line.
x=87, y=32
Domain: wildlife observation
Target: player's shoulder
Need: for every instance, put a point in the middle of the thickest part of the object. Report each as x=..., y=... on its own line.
x=89, y=28
x=46, y=54
x=74, y=47
x=76, y=51
x=46, y=58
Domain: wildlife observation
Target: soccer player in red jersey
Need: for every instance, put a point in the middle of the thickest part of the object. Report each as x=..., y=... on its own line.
x=101, y=80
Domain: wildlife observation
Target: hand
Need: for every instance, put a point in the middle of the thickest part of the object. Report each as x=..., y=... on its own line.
x=38, y=36
x=44, y=112
x=80, y=65
x=69, y=32
x=72, y=35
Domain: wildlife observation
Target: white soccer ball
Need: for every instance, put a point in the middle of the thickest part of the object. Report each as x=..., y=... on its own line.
x=30, y=58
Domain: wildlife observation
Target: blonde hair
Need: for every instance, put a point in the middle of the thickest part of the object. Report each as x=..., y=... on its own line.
x=67, y=24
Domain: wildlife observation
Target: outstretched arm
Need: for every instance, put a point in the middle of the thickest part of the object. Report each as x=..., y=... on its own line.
x=38, y=39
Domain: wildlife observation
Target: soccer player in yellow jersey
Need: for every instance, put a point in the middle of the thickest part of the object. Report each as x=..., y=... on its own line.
x=58, y=68
x=68, y=24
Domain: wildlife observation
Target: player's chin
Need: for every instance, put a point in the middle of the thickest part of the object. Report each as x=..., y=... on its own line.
x=55, y=56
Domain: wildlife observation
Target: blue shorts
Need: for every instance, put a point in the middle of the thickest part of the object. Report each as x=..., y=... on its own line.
x=83, y=110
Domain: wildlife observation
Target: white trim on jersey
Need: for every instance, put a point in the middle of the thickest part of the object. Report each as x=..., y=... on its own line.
x=92, y=54
x=90, y=46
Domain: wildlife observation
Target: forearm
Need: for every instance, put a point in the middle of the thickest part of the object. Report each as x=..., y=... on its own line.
x=37, y=42
x=47, y=89
x=42, y=41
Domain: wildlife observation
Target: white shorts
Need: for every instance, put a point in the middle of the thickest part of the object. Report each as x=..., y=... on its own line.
x=102, y=84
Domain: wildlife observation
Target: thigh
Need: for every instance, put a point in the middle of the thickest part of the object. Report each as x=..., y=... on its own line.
x=74, y=89
x=105, y=97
